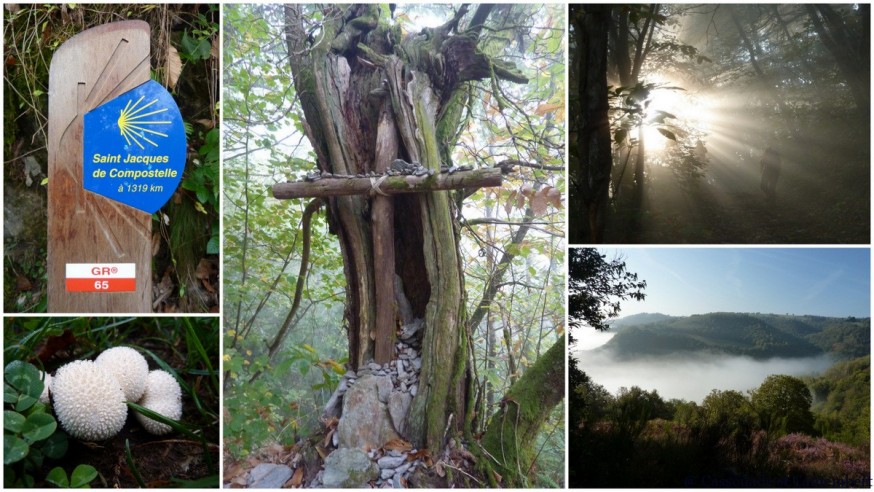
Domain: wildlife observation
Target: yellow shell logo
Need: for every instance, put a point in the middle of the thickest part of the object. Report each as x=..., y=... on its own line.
x=131, y=121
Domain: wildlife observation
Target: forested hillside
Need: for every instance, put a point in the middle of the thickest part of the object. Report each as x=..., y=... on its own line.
x=755, y=335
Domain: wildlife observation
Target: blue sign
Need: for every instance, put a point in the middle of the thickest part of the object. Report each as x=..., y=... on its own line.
x=134, y=148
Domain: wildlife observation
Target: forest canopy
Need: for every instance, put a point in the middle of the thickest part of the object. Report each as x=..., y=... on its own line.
x=720, y=123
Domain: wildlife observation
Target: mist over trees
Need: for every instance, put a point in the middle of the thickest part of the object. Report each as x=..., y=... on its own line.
x=783, y=431
x=719, y=123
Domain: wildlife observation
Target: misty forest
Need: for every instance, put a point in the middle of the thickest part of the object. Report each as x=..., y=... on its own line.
x=410, y=333
x=801, y=419
x=719, y=123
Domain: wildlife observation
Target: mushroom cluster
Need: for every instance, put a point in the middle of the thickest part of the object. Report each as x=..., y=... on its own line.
x=89, y=397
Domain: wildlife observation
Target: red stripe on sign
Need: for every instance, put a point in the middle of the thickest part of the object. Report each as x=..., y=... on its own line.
x=104, y=285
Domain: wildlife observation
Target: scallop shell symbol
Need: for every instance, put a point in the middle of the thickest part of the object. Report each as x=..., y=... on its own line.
x=132, y=121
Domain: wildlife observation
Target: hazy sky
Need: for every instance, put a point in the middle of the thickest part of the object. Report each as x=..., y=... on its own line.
x=684, y=281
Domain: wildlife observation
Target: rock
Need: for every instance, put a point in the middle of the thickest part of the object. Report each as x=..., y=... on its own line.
x=348, y=469
x=386, y=473
x=401, y=373
x=332, y=408
x=373, y=366
x=403, y=468
x=384, y=387
x=413, y=389
x=268, y=476
x=417, y=364
x=391, y=462
x=396, y=481
x=366, y=422
x=398, y=406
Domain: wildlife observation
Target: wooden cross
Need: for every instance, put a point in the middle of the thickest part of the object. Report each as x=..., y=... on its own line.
x=381, y=188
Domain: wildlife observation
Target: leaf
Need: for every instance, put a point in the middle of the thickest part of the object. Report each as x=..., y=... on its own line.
x=14, y=449
x=554, y=197
x=55, y=447
x=297, y=479
x=12, y=421
x=547, y=108
x=620, y=135
x=667, y=134
x=24, y=377
x=174, y=66
x=508, y=206
x=58, y=478
x=82, y=475
x=538, y=203
x=397, y=444
x=37, y=427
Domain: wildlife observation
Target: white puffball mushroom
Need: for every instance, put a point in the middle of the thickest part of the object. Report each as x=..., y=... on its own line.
x=164, y=396
x=128, y=367
x=47, y=381
x=88, y=401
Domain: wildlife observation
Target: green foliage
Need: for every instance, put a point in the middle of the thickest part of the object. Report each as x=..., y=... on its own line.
x=596, y=286
x=82, y=475
x=264, y=410
x=842, y=397
x=30, y=433
x=783, y=404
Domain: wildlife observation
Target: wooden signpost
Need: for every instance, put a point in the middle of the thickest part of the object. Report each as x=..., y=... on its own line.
x=112, y=143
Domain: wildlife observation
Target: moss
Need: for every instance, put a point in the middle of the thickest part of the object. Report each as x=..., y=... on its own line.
x=513, y=429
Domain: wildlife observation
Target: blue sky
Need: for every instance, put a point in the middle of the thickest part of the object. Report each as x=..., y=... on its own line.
x=684, y=281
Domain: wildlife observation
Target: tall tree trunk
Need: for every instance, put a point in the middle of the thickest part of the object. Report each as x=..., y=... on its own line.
x=512, y=432
x=853, y=59
x=590, y=172
x=342, y=79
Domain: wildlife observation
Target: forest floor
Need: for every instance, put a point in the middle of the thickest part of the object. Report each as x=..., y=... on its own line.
x=736, y=211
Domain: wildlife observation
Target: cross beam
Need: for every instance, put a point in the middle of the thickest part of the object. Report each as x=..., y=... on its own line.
x=388, y=185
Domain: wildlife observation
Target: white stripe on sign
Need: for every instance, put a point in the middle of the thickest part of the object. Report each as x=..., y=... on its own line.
x=101, y=270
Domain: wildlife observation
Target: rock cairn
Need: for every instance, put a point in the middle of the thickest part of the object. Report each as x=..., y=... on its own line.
x=395, y=466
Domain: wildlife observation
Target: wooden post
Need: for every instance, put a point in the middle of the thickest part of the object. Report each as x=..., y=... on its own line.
x=88, y=70
x=382, y=218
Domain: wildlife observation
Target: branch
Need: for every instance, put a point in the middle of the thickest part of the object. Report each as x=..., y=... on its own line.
x=308, y=212
x=389, y=185
x=491, y=288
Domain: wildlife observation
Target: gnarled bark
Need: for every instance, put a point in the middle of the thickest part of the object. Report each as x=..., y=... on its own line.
x=343, y=78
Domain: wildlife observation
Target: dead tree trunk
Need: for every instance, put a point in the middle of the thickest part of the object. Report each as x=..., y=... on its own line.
x=356, y=64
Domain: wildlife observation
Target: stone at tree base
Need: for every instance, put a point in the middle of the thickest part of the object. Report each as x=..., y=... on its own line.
x=398, y=406
x=365, y=423
x=268, y=476
x=348, y=468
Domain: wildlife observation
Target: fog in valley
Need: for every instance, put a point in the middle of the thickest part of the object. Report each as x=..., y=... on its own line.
x=692, y=377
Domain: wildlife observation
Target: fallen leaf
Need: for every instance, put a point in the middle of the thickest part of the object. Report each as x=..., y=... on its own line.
x=397, y=445
x=204, y=269
x=232, y=471
x=208, y=123
x=23, y=283
x=174, y=66
x=295, y=480
x=328, y=437
x=438, y=469
x=156, y=243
